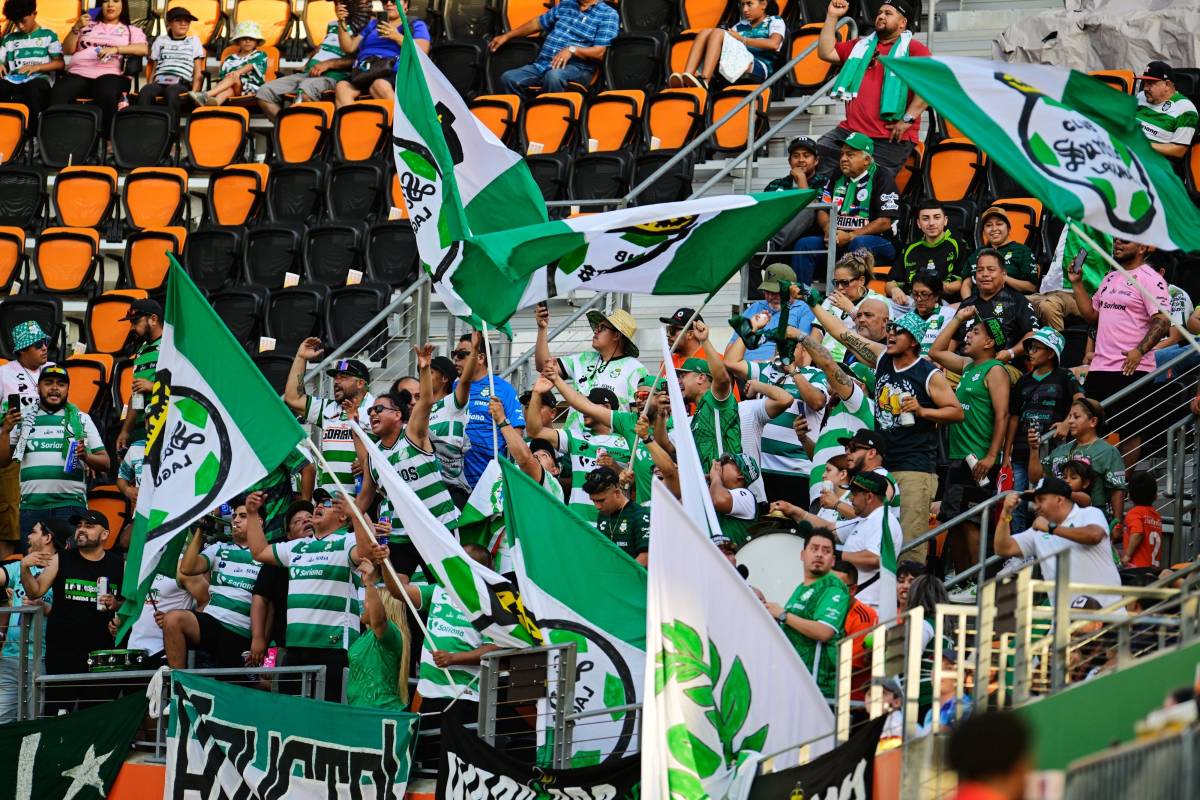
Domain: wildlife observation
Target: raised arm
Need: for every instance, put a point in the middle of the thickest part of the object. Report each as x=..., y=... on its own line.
x=376, y=617
x=828, y=36
x=1005, y=544
x=192, y=562
x=577, y=401
x=462, y=390
x=293, y=390
x=839, y=382
x=721, y=385
x=541, y=347
x=864, y=350
x=417, y=429
x=778, y=398
x=941, y=352
x=533, y=419
x=256, y=540
x=37, y=586
x=347, y=41
x=1082, y=299
x=522, y=456
x=722, y=499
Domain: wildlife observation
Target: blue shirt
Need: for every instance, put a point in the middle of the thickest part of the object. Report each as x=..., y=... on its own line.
x=12, y=641
x=479, y=424
x=566, y=25
x=375, y=46
x=800, y=316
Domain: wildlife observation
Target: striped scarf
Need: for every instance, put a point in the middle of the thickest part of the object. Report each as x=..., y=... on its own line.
x=72, y=427
x=893, y=95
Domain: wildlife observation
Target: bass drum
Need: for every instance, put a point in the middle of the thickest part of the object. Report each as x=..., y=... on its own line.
x=773, y=560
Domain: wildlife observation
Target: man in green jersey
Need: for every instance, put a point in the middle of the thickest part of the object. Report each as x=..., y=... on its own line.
x=814, y=615
x=625, y=523
x=736, y=506
x=937, y=252
x=145, y=318
x=706, y=386
x=536, y=458
x=222, y=629
x=1167, y=117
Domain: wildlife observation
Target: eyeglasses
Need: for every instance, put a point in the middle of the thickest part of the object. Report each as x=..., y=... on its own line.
x=380, y=408
x=604, y=326
x=922, y=295
x=458, y=355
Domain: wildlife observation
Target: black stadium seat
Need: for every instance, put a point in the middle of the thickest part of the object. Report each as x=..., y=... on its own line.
x=45, y=309
x=390, y=254
x=211, y=256
x=271, y=250
x=69, y=134
x=331, y=250
x=294, y=314
x=275, y=367
x=355, y=191
x=674, y=185
x=468, y=19
x=143, y=136
x=350, y=308
x=599, y=176
x=647, y=16
x=636, y=61
x=241, y=309
x=462, y=64
x=515, y=53
x=294, y=192
x=22, y=197
x=549, y=172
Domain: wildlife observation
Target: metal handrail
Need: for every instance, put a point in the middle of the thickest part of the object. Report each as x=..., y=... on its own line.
x=965, y=516
x=518, y=362
x=387, y=311
x=750, y=97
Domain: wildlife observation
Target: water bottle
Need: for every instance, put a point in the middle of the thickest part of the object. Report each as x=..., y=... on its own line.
x=971, y=462
x=72, y=459
x=101, y=590
x=386, y=518
x=358, y=485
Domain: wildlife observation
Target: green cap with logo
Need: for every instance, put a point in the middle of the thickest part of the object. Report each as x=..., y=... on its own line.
x=1049, y=338
x=860, y=141
x=869, y=482
x=775, y=273
x=695, y=365
x=995, y=330
x=912, y=324
x=748, y=466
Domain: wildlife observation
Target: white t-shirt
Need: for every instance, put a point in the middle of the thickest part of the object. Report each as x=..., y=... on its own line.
x=744, y=504
x=15, y=379
x=1090, y=563
x=175, y=59
x=753, y=415
x=168, y=595
x=868, y=535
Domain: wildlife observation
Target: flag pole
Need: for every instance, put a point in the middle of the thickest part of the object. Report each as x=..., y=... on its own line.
x=487, y=351
x=315, y=453
x=678, y=341
x=1107, y=256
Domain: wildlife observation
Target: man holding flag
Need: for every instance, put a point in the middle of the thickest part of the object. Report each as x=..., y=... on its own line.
x=874, y=543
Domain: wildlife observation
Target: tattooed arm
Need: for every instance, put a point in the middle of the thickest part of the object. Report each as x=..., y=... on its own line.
x=293, y=390
x=839, y=382
x=863, y=349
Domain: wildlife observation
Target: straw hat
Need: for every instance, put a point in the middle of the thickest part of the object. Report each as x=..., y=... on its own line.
x=623, y=322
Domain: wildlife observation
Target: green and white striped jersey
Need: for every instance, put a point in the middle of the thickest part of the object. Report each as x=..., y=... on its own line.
x=782, y=453
x=45, y=482
x=323, y=597
x=1172, y=121
x=583, y=449
x=232, y=572
x=37, y=47
x=451, y=631
x=846, y=417
x=337, y=439
x=130, y=469
x=419, y=469
x=587, y=370
x=448, y=432
x=145, y=364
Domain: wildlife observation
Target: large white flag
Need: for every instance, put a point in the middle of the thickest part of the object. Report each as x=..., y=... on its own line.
x=726, y=686
x=693, y=483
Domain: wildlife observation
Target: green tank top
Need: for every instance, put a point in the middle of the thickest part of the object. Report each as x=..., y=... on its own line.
x=974, y=434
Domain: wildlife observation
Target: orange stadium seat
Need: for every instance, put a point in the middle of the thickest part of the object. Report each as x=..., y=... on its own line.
x=154, y=197
x=12, y=257
x=911, y=167
x=66, y=260
x=1120, y=79
x=146, y=251
x=84, y=197
x=103, y=325
x=208, y=17
x=697, y=14
x=273, y=16
x=216, y=137
x=552, y=120
x=735, y=134
x=301, y=132
x=361, y=129
x=109, y=501
x=59, y=15
x=235, y=193
x=14, y=126
x=811, y=72
x=613, y=120
x=953, y=170
x=517, y=12
x=122, y=384
x=316, y=18
x=90, y=374
x=673, y=117
x=680, y=47
x=499, y=114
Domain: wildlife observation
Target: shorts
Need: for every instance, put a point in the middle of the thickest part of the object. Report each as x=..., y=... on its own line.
x=406, y=559
x=273, y=91
x=221, y=643
x=962, y=493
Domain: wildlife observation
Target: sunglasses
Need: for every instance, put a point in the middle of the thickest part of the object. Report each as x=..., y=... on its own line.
x=40, y=343
x=460, y=354
x=379, y=409
x=326, y=504
x=604, y=326
x=842, y=284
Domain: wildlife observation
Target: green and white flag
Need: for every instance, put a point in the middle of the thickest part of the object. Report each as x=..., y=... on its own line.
x=689, y=247
x=489, y=601
x=693, y=478
x=887, y=569
x=726, y=685
x=457, y=180
x=214, y=427
x=560, y=562
x=75, y=756
x=482, y=517
x=1072, y=141
x=229, y=741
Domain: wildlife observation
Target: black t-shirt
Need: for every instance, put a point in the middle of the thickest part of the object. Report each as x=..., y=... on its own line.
x=943, y=258
x=1041, y=402
x=76, y=627
x=909, y=447
x=1010, y=307
x=871, y=197
x=272, y=584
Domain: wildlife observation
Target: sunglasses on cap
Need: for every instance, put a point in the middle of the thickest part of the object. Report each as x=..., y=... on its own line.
x=326, y=504
x=379, y=408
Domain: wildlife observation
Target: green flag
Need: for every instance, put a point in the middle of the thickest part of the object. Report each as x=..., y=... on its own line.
x=214, y=426
x=231, y=741
x=73, y=756
x=561, y=561
x=690, y=247
x=1073, y=142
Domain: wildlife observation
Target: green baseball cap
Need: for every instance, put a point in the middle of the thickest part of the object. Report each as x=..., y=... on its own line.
x=860, y=141
x=869, y=482
x=648, y=381
x=912, y=324
x=996, y=330
x=695, y=365
x=748, y=466
x=775, y=273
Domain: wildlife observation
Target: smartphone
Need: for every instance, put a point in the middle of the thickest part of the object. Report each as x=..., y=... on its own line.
x=14, y=402
x=381, y=16
x=1077, y=262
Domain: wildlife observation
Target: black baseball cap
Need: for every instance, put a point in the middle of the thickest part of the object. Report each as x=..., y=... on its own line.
x=179, y=12
x=803, y=143
x=1050, y=485
x=1086, y=602
x=143, y=308
x=296, y=507
x=349, y=366
x=680, y=317
x=541, y=444
x=599, y=479
x=604, y=397
x=1158, y=71
x=869, y=482
x=865, y=438
x=445, y=366
x=91, y=517
x=60, y=531
x=900, y=5
x=320, y=496
x=54, y=371
x=548, y=398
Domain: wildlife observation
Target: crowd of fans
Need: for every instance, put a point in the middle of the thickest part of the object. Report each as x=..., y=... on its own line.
x=878, y=414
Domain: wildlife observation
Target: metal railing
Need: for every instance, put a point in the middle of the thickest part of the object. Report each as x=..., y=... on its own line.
x=512, y=680
x=31, y=625
x=1161, y=769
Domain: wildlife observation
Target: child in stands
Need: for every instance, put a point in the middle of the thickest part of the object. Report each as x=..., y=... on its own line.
x=1143, y=524
x=242, y=72
x=29, y=55
x=1080, y=476
x=177, y=61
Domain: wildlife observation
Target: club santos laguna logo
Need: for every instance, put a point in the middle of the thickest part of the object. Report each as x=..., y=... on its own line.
x=421, y=181
x=187, y=454
x=637, y=245
x=1070, y=148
